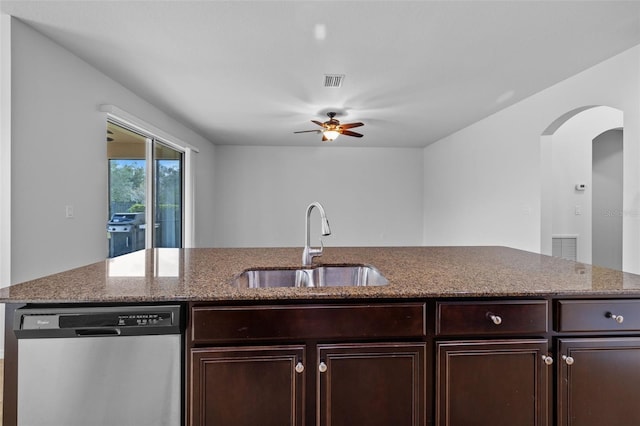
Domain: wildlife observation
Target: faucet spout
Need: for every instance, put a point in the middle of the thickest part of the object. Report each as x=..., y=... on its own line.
x=309, y=253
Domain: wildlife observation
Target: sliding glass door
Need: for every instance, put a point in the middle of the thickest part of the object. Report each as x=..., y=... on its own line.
x=146, y=181
x=168, y=170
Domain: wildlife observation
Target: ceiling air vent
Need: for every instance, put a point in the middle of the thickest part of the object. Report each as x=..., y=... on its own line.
x=333, y=80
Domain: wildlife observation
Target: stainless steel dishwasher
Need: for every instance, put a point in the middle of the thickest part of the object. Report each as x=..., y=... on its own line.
x=99, y=366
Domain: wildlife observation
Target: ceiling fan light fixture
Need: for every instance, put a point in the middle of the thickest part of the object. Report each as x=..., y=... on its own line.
x=332, y=128
x=331, y=135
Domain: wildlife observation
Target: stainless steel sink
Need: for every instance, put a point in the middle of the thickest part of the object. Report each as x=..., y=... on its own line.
x=315, y=276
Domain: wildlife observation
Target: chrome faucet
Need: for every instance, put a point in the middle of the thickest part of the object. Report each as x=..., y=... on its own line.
x=309, y=253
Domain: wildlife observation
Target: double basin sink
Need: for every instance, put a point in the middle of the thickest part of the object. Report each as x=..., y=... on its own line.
x=313, y=276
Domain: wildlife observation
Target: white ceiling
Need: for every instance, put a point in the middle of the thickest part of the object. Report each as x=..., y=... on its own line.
x=251, y=72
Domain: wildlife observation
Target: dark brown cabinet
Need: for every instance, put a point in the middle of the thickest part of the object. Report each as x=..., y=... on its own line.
x=469, y=363
x=247, y=386
x=492, y=318
x=598, y=381
x=350, y=364
x=364, y=383
x=376, y=384
x=492, y=374
x=492, y=382
x=598, y=316
x=598, y=355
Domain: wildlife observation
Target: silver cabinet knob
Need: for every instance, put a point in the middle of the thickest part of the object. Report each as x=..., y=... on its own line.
x=299, y=367
x=547, y=359
x=322, y=367
x=496, y=319
x=567, y=359
x=617, y=318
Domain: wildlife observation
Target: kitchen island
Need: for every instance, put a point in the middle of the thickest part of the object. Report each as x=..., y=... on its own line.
x=459, y=335
x=413, y=272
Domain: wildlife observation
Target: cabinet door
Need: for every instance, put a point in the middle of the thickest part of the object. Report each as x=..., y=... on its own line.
x=492, y=382
x=247, y=386
x=371, y=384
x=599, y=381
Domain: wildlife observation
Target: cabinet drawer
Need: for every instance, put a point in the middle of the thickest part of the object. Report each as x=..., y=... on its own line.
x=219, y=324
x=491, y=317
x=598, y=315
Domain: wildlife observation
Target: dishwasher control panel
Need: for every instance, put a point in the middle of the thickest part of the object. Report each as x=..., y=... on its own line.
x=115, y=319
x=97, y=321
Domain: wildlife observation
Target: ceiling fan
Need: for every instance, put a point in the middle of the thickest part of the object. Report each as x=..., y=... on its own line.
x=332, y=128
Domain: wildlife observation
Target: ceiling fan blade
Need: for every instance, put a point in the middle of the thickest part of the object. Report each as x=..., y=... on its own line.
x=318, y=123
x=309, y=131
x=351, y=125
x=350, y=133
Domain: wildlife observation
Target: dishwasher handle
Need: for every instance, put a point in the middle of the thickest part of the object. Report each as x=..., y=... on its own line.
x=97, y=332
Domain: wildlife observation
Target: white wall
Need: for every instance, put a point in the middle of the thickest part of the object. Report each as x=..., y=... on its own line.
x=480, y=185
x=5, y=162
x=59, y=156
x=483, y=183
x=372, y=196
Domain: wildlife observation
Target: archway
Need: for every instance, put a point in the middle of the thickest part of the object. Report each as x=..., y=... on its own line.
x=566, y=162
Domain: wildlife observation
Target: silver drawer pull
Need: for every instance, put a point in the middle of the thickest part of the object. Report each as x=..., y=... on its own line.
x=299, y=367
x=567, y=359
x=322, y=367
x=617, y=318
x=496, y=319
x=547, y=359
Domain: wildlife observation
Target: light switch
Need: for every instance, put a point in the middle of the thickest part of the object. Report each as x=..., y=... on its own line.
x=578, y=210
x=68, y=212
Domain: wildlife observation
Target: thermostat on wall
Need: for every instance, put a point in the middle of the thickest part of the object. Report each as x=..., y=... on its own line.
x=580, y=186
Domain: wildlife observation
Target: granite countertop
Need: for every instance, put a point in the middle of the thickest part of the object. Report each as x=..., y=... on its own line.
x=204, y=274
